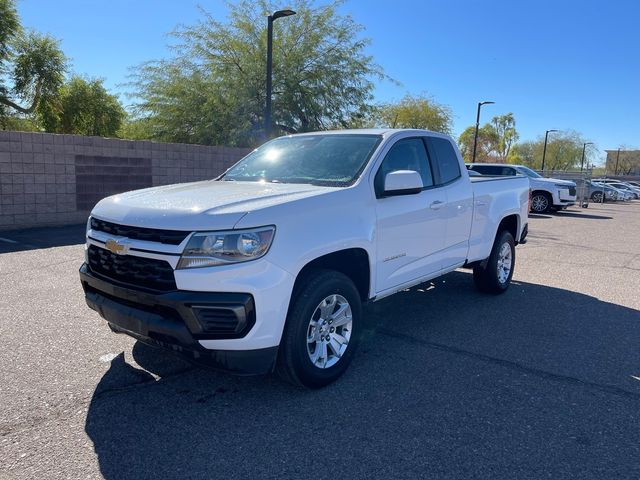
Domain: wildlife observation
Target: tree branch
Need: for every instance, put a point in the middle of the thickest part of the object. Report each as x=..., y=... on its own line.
x=286, y=128
x=34, y=105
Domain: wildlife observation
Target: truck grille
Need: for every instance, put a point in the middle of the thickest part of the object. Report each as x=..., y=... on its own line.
x=572, y=191
x=171, y=237
x=139, y=272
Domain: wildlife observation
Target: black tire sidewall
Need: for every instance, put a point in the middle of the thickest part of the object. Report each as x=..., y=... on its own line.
x=493, y=260
x=486, y=278
x=546, y=197
x=316, y=288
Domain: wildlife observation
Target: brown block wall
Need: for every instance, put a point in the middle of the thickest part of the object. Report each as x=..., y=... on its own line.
x=48, y=179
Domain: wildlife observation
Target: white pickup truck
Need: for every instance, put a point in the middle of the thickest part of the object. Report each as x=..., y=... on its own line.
x=266, y=267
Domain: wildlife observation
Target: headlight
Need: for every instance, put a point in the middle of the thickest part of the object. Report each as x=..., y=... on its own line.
x=86, y=234
x=207, y=249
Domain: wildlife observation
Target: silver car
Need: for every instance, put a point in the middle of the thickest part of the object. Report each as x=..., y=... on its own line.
x=631, y=190
x=600, y=191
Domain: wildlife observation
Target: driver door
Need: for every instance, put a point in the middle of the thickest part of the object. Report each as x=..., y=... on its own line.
x=410, y=228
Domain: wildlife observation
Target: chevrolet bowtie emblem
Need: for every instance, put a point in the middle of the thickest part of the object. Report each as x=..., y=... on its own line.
x=119, y=247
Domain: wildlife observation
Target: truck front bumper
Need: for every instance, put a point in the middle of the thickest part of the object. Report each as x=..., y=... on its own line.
x=181, y=320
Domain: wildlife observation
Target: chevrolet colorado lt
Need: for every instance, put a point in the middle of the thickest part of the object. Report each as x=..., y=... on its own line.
x=267, y=266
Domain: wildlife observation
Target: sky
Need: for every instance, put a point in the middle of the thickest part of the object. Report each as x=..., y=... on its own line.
x=563, y=64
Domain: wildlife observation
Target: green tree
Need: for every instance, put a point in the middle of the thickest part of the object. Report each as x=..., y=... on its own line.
x=135, y=129
x=415, y=112
x=528, y=153
x=487, y=143
x=83, y=107
x=506, y=133
x=32, y=66
x=564, y=152
x=495, y=140
x=213, y=90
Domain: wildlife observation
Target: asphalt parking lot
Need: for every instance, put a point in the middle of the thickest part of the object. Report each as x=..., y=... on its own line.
x=542, y=382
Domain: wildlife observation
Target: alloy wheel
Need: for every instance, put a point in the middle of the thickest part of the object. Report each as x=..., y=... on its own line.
x=505, y=262
x=329, y=331
x=539, y=203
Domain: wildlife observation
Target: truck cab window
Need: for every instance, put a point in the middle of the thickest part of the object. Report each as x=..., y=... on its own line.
x=446, y=158
x=406, y=154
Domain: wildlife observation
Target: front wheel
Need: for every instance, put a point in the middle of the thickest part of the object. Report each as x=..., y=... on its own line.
x=322, y=330
x=495, y=276
x=597, y=197
x=540, y=202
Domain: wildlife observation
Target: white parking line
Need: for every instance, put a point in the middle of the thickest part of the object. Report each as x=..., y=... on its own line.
x=7, y=240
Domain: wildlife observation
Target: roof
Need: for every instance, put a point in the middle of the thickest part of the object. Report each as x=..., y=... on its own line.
x=496, y=164
x=369, y=131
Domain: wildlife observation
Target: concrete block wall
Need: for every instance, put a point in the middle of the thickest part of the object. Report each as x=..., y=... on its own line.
x=48, y=179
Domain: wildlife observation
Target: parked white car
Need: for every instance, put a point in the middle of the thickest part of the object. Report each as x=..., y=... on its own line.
x=546, y=193
x=267, y=266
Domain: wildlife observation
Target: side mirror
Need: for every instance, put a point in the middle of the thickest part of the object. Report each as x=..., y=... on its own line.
x=402, y=182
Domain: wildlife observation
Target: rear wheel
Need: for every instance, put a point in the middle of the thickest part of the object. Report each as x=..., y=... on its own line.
x=495, y=276
x=540, y=202
x=597, y=197
x=322, y=330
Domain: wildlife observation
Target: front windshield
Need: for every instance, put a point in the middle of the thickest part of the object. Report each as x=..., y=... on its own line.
x=331, y=160
x=528, y=172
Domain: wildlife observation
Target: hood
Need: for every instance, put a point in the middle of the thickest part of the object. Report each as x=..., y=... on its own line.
x=208, y=205
x=555, y=181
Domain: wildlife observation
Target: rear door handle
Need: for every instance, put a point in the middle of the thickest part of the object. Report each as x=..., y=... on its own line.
x=436, y=205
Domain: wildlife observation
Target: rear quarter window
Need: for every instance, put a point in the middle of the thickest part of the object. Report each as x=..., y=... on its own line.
x=446, y=158
x=493, y=170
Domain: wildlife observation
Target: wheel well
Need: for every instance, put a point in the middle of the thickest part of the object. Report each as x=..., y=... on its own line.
x=543, y=192
x=352, y=262
x=510, y=224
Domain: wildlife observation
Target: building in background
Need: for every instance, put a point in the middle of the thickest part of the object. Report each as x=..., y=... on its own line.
x=628, y=162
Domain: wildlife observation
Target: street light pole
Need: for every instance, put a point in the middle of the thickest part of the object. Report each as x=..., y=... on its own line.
x=584, y=146
x=544, y=151
x=267, y=108
x=475, y=137
x=617, y=158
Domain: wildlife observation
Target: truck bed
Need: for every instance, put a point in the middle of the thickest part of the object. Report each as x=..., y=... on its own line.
x=494, y=197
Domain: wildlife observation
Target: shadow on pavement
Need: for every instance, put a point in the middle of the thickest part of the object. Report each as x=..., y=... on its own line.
x=45, y=237
x=538, y=215
x=584, y=215
x=447, y=383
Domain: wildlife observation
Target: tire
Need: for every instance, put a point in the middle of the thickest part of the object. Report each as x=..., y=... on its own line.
x=597, y=197
x=541, y=202
x=315, y=364
x=492, y=277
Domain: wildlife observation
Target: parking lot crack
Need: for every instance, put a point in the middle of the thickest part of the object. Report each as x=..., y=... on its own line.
x=611, y=389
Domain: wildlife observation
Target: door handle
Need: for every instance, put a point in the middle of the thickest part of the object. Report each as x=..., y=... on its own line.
x=436, y=205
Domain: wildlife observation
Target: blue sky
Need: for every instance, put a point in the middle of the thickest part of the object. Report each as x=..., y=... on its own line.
x=563, y=64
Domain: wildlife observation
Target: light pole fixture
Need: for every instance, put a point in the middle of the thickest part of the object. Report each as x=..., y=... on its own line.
x=617, y=158
x=267, y=109
x=475, y=137
x=544, y=150
x=584, y=146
